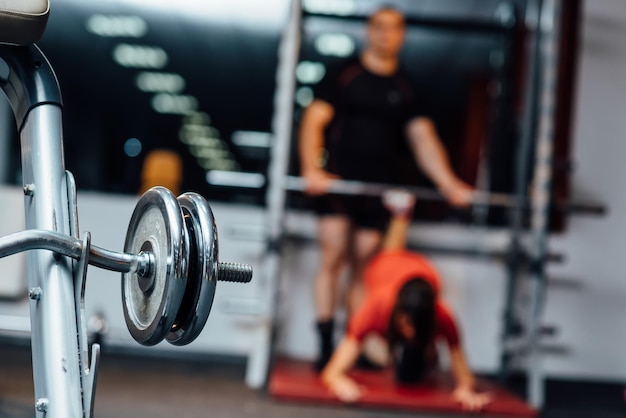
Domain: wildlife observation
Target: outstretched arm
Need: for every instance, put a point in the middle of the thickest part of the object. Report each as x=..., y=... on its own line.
x=432, y=158
x=315, y=119
x=400, y=204
x=465, y=393
x=335, y=376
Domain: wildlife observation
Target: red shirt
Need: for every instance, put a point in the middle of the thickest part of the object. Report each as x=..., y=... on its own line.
x=383, y=277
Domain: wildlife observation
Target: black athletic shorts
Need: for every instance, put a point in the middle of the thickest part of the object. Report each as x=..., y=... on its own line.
x=365, y=212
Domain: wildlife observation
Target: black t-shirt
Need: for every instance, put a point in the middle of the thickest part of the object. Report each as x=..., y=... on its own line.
x=366, y=138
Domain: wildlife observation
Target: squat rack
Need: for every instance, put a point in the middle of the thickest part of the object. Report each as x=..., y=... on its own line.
x=536, y=128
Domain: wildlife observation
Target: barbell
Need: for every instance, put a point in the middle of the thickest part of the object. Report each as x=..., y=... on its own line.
x=359, y=188
x=479, y=198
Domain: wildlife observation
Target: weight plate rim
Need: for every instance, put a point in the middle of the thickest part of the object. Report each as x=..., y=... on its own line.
x=167, y=204
x=206, y=238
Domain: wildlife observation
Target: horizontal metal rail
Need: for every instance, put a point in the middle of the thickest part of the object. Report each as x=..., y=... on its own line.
x=496, y=254
x=435, y=22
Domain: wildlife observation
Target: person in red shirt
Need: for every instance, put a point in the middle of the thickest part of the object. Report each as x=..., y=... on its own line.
x=403, y=304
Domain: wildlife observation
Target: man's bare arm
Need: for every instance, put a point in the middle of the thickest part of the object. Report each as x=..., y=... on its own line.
x=432, y=158
x=400, y=203
x=314, y=121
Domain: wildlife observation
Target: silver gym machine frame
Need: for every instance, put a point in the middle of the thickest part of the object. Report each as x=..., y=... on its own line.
x=282, y=127
x=549, y=54
x=63, y=380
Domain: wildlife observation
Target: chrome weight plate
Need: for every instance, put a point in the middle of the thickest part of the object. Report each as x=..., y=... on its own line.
x=152, y=299
x=203, y=269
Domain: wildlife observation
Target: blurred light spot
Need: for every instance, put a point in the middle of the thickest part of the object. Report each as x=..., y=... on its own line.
x=197, y=118
x=333, y=7
x=335, y=44
x=304, y=96
x=209, y=153
x=505, y=13
x=262, y=15
x=252, y=139
x=117, y=26
x=220, y=165
x=308, y=72
x=151, y=82
x=199, y=135
x=139, y=56
x=496, y=58
x=174, y=104
x=132, y=147
x=235, y=179
x=204, y=142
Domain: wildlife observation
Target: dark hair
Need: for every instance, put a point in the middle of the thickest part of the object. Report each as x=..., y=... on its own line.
x=384, y=8
x=416, y=299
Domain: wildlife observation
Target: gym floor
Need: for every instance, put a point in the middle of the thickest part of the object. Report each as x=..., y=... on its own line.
x=142, y=387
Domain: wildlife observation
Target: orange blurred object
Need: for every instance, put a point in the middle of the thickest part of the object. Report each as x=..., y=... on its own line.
x=162, y=167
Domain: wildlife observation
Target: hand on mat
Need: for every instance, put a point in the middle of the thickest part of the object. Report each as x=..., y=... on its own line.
x=317, y=181
x=399, y=202
x=470, y=400
x=346, y=389
x=458, y=193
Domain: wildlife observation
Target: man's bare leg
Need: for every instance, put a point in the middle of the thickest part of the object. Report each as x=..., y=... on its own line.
x=334, y=240
x=365, y=244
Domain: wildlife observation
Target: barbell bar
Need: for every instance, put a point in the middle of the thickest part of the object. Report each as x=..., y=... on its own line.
x=359, y=188
x=479, y=198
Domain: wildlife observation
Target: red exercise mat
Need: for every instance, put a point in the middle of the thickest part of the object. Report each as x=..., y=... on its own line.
x=297, y=382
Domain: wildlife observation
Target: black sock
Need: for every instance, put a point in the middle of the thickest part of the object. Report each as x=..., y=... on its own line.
x=325, y=331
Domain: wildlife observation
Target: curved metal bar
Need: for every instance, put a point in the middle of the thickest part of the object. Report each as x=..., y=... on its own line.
x=116, y=261
x=40, y=240
x=72, y=247
x=27, y=79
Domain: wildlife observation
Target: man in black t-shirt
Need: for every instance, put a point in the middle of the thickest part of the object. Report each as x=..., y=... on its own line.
x=363, y=118
x=366, y=135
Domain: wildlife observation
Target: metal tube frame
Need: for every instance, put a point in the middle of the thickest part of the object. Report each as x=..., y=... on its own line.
x=31, y=86
x=550, y=29
x=518, y=212
x=259, y=361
